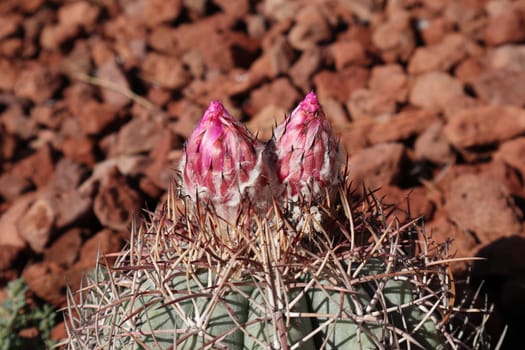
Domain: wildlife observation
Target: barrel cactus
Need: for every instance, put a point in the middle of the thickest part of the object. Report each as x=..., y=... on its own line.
x=355, y=280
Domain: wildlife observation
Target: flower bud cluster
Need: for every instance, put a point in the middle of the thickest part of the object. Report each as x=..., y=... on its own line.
x=224, y=164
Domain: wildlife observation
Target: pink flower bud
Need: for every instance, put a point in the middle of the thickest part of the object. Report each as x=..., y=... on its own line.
x=223, y=163
x=307, y=151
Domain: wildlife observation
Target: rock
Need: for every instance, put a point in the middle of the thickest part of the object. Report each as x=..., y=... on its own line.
x=376, y=166
x=161, y=171
x=165, y=71
x=263, y=123
x=95, y=117
x=67, y=177
x=468, y=70
x=8, y=74
x=81, y=149
x=460, y=103
x=12, y=186
x=506, y=27
x=311, y=27
x=354, y=136
x=346, y=53
x=36, y=83
x=442, y=56
x=187, y=114
x=435, y=30
x=153, y=12
x=340, y=85
x=471, y=202
x=10, y=239
x=432, y=145
x=137, y=136
x=335, y=112
x=37, y=224
x=109, y=71
x=462, y=243
x=501, y=87
x=279, y=93
x=394, y=38
x=401, y=126
x=303, y=69
x=46, y=280
x=365, y=104
x=406, y=204
x=507, y=57
x=103, y=242
x=65, y=250
x=38, y=167
x=17, y=123
x=433, y=90
x=513, y=153
x=485, y=125
x=116, y=202
x=389, y=80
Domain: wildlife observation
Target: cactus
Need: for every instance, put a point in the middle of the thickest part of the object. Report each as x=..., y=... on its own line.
x=357, y=280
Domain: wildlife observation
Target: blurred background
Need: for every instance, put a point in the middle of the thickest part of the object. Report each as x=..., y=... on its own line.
x=98, y=96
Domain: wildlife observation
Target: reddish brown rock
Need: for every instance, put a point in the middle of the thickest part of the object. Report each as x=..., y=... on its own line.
x=161, y=171
x=472, y=201
x=433, y=90
x=153, y=12
x=187, y=114
x=116, y=202
x=111, y=72
x=401, y=126
x=103, y=242
x=95, y=117
x=10, y=239
x=12, y=186
x=81, y=149
x=17, y=123
x=505, y=27
x=46, y=280
x=139, y=135
x=460, y=103
x=340, y=85
x=165, y=71
x=406, y=204
x=442, y=56
x=37, y=224
x=67, y=177
x=513, y=153
x=485, y=125
x=65, y=250
x=389, y=80
x=311, y=27
x=263, y=123
x=354, y=136
x=346, y=53
x=302, y=70
x=38, y=167
x=279, y=93
x=432, y=145
x=8, y=74
x=468, y=70
x=501, y=86
x=36, y=83
x=365, y=104
x=435, y=30
x=376, y=166
x=394, y=38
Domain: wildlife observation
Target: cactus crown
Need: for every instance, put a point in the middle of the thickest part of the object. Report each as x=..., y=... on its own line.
x=344, y=277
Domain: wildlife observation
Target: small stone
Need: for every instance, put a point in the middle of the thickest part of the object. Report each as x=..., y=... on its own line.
x=279, y=93
x=409, y=204
x=111, y=72
x=67, y=176
x=12, y=185
x=81, y=149
x=303, y=69
x=433, y=90
x=138, y=136
x=340, y=85
x=153, y=12
x=506, y=27
x=435, y=31
x=468, y=70
x=513, y=153
x=8, y=222
x=389, y=80
x=501, y=87
x=354, y=136
x=165, y=71
x=485, y=125
x=263, y=123
x=346, y=53
x=103, y=242
x=471, y=202
x=65, y=250
x=401, y=126
x=365, y=104
x=394, y=38
x=376, y=166
x=432, y=145
x=8, y=74
x=161, y=170
x=116, y=202
x=38, y=167
x=36, y=83
x=46, y=280
x=440, y=57
x=37, y=224
x=311, y=27
x=95, y=117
